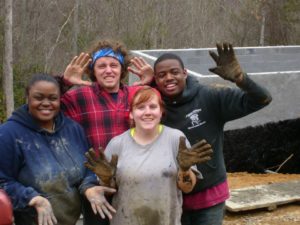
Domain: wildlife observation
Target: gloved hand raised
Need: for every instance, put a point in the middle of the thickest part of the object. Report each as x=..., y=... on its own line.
x=228, y=66
x=105, y=170
x=199, y=153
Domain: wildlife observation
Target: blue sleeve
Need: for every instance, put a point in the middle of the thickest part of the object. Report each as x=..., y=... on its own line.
x=10, y=162
x=90, y=178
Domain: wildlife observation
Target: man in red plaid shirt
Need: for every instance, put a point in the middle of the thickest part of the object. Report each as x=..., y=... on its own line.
x=102, y=106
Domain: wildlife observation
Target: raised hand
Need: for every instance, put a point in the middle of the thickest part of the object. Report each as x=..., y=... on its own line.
x=228, y=66
x=199, y=153
x=44, y=210
x=105, y=170
x=76, y=68
x=143, y=70
x=99, y=204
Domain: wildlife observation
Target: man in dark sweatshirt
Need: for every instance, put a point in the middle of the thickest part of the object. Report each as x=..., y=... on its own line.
x=201, y=112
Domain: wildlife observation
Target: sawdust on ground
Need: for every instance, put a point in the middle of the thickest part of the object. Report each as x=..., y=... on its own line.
x=284, y=215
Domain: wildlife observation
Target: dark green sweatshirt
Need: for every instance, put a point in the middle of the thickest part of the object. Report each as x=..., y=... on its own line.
x=201, y=113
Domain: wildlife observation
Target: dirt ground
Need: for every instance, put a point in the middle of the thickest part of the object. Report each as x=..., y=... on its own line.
x=288, y=214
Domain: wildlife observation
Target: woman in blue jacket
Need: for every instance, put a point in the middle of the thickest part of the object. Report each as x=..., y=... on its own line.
x=42, y=156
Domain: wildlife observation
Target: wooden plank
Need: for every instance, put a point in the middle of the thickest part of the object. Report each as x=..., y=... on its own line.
x=263, y=196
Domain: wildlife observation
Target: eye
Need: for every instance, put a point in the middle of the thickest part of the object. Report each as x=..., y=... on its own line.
x=38, y=97
x=140, y=107
x=101, y=66
x=175, y=72
x=153, y=106
x=114, y=65
x=161, y=75
x=53, y=98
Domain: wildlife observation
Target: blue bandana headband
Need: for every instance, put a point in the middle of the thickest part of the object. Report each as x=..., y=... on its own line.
x=104, y=52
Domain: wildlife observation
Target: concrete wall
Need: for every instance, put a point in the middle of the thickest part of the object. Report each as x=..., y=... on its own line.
x=276, y=68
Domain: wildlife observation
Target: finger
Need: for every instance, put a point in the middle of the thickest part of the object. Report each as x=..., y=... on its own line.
x=203, y=160
x=108, y=190
x=89, y=166
x=216, y=70
x=146, y=80
x=134, y=71
x=138, y=62
x=225, y=47
x=231, y=51
x=73, y=61
x=45, y=219
x=106, y=211
x=114, y=160
x=83, y=59
x=94, y=208
x=182, y=144
x=199, y=144
x=49, y=220
x=40, y=218
x=220, y=49
x=85, y=82
x=80, y=58
x=99, y=210
x=93, y=153
x=214, y=56
x=205, y=153
x=90, y=159
x=109, y=206
x=101, y=156
x=53, y=218
x=138, y=83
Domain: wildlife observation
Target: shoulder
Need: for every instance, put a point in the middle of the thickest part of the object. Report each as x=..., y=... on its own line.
x=173, y=132
x=77, y=90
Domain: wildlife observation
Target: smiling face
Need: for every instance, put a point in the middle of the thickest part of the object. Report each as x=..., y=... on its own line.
x=146, y=111
x=44, y=102
x=170, y=78
x=107, y=71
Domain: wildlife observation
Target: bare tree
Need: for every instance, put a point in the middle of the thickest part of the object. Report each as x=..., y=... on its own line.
x=75, y=28
x=7, y=60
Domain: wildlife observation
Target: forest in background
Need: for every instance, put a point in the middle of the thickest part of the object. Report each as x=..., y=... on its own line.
x=47, y=34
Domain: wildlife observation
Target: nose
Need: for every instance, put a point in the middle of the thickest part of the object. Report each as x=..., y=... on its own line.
x=108, y=69
x=169, y=76
x=45, y=102
x=147, y=110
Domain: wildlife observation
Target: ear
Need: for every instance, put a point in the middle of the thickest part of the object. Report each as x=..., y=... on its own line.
x=130, y=116
x=185, y=73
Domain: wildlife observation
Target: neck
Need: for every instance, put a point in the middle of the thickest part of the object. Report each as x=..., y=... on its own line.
x=50, y=126
x=145, y=137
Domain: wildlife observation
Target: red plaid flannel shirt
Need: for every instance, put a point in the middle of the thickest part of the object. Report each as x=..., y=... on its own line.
x=99, y=114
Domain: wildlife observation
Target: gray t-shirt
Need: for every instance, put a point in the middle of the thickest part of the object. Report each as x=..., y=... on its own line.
x=147, y=180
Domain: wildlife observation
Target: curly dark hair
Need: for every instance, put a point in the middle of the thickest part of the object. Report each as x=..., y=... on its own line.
x=117, y=46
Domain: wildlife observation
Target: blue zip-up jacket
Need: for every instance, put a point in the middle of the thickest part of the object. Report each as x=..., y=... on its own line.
x=201, y=113
x=36, y=162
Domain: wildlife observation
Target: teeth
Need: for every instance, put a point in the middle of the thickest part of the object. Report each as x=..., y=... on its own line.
x=170, y=85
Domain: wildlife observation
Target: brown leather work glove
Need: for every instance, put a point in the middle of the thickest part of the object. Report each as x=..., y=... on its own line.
x=106, y=171
x=199, y=153
x=228, y=66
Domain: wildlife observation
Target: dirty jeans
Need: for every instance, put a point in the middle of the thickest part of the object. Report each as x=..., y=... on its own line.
x=209, y=216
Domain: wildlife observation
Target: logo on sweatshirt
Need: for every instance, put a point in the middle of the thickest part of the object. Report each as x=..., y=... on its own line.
x=194, y=119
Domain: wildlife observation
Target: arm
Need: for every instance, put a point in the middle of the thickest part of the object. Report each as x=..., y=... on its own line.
x=228, y=67
x=186, y=180
x=10, y=162
x=74, y=72
x=235, y=103
x=187, y=157
x=96, y=196
x=143, y=70
x=105, y=170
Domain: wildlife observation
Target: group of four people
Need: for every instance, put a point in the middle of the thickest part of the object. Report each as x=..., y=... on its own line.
x=148, y=163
